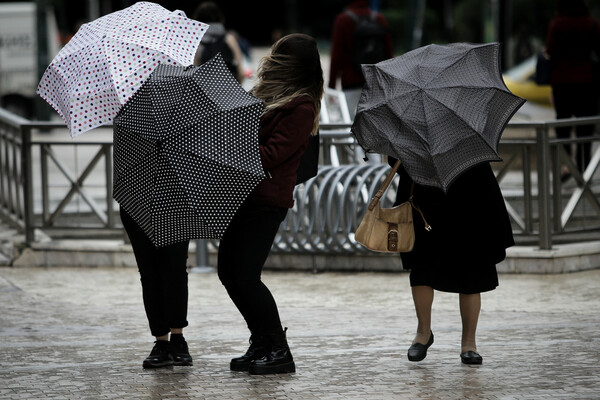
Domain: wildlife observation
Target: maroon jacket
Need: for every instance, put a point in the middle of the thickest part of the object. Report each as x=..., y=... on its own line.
x=342, y=45
x=282, y=137
x=570, y=43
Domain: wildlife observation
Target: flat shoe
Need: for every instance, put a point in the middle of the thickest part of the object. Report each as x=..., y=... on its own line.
x=471, y=357
x=418, y=351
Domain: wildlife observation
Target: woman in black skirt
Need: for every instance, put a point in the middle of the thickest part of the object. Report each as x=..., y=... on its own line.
x=470, y=233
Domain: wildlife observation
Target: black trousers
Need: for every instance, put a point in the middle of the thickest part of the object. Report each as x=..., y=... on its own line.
x=164, y=278
x=243, y=251
x=576, y=100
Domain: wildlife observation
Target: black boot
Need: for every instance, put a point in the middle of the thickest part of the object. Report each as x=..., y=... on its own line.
x=257, y=350
x=278, y=359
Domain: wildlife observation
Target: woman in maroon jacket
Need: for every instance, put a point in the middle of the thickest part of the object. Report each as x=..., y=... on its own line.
x=573, y=38
x=290, y=82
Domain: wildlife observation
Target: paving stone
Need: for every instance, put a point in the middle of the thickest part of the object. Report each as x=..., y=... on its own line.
x=81, y=333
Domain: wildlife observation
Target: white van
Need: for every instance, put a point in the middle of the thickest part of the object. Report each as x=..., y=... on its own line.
x=19, y=73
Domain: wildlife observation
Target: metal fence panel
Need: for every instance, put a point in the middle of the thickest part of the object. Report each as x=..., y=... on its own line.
x=64, y=187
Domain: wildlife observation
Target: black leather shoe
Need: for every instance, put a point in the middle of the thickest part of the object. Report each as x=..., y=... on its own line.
x=471, y=357
x=180, y=351
x=256, y=351
x=418, y=351
x=160, y=356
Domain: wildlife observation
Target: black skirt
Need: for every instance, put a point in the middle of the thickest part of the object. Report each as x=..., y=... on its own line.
x=470, y=232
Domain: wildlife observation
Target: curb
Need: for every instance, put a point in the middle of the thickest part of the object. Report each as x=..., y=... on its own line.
x=564, y=258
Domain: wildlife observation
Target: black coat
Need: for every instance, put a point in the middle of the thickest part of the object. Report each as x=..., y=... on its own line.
x=470, y=223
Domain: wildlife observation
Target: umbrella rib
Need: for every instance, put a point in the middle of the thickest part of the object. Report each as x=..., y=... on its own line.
x=384, y=100
x=462, y=58
x=462, y=119
x=203, y=157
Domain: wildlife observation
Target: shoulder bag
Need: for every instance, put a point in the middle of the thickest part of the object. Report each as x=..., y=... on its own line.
x=388, y=230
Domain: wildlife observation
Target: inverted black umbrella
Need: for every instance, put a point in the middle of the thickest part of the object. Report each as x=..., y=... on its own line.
x=441, y=109
x=186, y=152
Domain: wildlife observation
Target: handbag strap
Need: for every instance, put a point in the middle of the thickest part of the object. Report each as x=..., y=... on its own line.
x=410, y=200
x=384, y=187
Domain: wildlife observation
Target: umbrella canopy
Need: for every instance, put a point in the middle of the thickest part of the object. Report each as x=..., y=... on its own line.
x=186, y=152
x=441, y=109
x=108, y=59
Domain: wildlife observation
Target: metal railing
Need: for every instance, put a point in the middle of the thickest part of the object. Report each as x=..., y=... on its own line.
x=64, y=187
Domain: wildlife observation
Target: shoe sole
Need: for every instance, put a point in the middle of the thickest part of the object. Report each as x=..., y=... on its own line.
x=150, y=366
x=279, y=369
x=416, y=358
x=239, y=368
x=183, y=363
x=471, y=362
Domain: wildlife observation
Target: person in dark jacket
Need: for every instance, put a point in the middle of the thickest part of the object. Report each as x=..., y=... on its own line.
x=343, y=46
x=218, y=39
x=290, y=82
x=572, y=42
x=470, y=231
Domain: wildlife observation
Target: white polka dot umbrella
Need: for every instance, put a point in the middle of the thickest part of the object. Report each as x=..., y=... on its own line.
x=441, y=109
x=186, y=152
x=107, y=60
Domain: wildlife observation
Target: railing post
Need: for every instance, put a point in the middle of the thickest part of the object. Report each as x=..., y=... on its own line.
x=556, y=186
x=543, y=173
x=527, y=200
x=108, y=170
x=45, y=183
x=202, y=263
x=27, y=183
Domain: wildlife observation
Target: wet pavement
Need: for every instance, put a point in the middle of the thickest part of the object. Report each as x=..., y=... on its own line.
x=81, y=333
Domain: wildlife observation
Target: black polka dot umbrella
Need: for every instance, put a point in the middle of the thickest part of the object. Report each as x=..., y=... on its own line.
x=440, y=109
x=186, y=152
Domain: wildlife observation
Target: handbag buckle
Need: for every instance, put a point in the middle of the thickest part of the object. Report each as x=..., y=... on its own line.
x=392, y=237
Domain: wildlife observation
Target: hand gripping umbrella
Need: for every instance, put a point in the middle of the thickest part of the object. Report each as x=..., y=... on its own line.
x=186, y=152
x=440, y=109
x=107, y=60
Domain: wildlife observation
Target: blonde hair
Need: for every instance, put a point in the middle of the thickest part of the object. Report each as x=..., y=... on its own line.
x=293, y=69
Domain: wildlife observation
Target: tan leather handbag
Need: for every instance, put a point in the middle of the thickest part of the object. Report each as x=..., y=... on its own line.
x=388, y=230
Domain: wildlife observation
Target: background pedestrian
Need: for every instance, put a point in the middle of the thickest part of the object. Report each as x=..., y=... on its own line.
x=218, y=40
x=360, y=36
x=573, y=43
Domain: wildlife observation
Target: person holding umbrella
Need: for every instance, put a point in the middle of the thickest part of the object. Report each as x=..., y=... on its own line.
x=470, y=230
x=185, y=158
x=441, y=110
x=290, y=82
x=164, y=278
x=100, y=73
